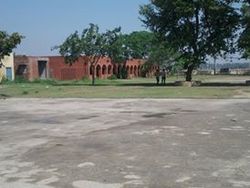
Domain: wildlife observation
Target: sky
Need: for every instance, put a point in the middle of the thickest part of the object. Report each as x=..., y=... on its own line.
x=47, y=23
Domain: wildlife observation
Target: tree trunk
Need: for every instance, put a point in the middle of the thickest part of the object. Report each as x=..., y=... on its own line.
x=189, y=73
x=214, y=65
x=93, y=75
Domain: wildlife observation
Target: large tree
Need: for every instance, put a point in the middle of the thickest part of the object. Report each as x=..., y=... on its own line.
x=244, y=41
x=90, y=43
x=7, y=43
x=140, y=43
x=121, y=47
x=116, y=49
x=195, y=28
x=163, y=56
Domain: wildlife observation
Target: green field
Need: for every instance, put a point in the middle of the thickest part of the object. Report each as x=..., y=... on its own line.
x=212, y=87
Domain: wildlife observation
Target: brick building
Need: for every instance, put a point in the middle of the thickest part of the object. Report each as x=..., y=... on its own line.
x=54, y=67
x=31, y=67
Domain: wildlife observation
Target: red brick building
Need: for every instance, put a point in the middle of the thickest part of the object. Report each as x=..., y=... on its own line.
x=31, y=67
x=54, y=67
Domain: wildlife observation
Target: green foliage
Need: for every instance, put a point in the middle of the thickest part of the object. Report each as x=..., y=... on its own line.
x=25, y=93
x=8, y=43
x=163, y=56
x=21, y=79
x=85, y=78
x=115, y=46
x=112, y=77
x=90, y=43
x=196, y=29
x=244, y=41
x=139, y=44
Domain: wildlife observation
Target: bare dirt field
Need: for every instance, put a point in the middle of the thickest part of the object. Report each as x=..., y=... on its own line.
x=124, y=143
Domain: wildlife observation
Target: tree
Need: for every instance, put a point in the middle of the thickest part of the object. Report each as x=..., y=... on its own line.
x=90, y=43
x=121, y=47
x=116, y=49
x=244, y=40
x=8, y=43
x=196, y=29
x=140, y=44
x=163, y=56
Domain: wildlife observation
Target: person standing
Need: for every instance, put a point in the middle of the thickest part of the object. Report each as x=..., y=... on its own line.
x=163, y=76
x=157, y=76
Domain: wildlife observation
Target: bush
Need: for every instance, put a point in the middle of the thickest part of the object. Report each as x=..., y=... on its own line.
x=20, y=79
x=5, y=80
x=85, y=78
x=25, y=92
x=112, y=77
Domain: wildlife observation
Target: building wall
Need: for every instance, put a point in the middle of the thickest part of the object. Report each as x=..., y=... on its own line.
x=31, y=70
x=81, y=68
x=57, y=68
x=103, y=69
x=8, y=62
x=134, y=68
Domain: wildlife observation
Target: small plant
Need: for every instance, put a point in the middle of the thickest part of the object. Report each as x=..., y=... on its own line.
x=112, y=77
x=21, y=79
x=5, y=80
x=85, y=78
x=25, y=93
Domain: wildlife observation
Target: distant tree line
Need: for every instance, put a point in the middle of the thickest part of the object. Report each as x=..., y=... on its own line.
x=210, y=66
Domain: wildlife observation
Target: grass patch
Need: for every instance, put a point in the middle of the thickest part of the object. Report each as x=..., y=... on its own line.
x=133, y=88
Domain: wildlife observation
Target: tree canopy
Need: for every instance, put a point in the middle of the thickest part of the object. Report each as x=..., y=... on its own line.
x=112, y=43
x=89, y=43
x=244, y=40
x=140, y=43
x=8, y=42
x=195, y=29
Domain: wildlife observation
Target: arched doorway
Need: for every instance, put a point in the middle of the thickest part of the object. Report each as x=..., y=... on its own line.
x=104, y=70
x=109, y=69
x=135, y=71
x=131, y=70
x=98, y=71
x=114, y=69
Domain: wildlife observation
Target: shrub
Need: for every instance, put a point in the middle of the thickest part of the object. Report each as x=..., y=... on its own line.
x=112, y=77
x=85, y=78
x=25, y=93
x=20, y=79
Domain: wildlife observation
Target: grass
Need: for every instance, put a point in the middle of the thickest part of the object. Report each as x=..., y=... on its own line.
x=134, y=88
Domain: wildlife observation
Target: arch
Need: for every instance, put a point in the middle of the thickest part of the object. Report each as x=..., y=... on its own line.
x=127, y=68
x=139, y=70
x=104, y=70
x=98, y=71
x=91, y=69
x=119, y=71
x=131, y=70
x=114, y=69
x=135, y=70
x=109, y=69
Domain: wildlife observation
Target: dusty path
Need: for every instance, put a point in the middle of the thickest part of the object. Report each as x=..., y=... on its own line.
x=78, y=143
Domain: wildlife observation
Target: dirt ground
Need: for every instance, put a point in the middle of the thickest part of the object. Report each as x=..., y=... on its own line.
x=130, y=143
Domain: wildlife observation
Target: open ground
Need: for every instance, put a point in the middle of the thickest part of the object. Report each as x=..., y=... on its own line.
x=124, y=143
x=218, y=87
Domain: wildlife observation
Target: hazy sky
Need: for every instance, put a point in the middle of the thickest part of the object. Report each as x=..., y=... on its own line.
x=46, y=23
